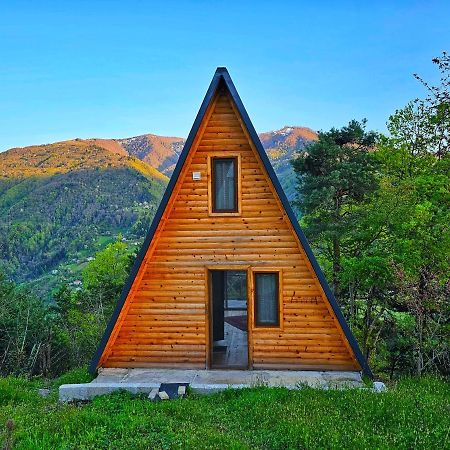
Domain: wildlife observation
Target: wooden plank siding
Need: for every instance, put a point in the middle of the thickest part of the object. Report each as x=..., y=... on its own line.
x=165, y=320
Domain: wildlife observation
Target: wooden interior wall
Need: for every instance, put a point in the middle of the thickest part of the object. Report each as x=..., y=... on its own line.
x=166, y=316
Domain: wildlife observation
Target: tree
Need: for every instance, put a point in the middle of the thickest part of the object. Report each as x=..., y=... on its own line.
x=415, y=197
x=104, y=278
x=83, y=312
x=437, y=108
x=28, y=342
x=412, y=207
x=335, y=175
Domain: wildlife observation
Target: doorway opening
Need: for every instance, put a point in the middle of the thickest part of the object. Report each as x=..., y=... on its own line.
x=229, y=329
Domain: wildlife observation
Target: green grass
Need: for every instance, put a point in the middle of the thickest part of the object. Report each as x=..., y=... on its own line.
x=412, y=414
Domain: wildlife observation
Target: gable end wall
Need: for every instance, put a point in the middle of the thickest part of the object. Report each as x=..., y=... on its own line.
x=165, y=321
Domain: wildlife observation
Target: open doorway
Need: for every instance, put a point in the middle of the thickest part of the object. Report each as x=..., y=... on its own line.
x=229, y=333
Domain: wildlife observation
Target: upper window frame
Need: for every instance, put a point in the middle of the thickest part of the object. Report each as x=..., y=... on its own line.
x=211, y=188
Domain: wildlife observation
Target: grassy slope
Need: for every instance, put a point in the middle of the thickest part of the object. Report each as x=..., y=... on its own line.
x=413, y=414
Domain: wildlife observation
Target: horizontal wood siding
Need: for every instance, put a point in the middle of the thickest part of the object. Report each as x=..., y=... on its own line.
x=166, y=321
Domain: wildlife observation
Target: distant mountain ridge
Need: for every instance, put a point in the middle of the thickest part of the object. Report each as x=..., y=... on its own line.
x=281, y=147
x=161, y=152
x=62, y=202
x=67, y=156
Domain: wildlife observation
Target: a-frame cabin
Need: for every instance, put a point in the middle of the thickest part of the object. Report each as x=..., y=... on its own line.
x=225, y=277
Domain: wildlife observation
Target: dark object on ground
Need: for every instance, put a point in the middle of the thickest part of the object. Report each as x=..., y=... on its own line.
x=171, y=389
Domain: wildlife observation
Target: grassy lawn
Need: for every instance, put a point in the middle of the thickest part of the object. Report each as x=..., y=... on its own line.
x=412, y=414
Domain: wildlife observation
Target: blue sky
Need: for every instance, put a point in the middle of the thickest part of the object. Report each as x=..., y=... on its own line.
x=119, y=69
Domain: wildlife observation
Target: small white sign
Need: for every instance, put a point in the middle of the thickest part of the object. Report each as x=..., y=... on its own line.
x=196, y=176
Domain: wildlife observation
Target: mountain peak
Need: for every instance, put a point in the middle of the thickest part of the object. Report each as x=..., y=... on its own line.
x=296, y=131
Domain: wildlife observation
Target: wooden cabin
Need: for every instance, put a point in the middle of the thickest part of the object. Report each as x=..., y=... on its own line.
x=226, y=278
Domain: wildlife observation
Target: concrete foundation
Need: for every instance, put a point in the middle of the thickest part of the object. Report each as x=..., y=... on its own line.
x=143, y=381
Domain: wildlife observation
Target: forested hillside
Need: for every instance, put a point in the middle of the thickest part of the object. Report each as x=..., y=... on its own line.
x=60, y=203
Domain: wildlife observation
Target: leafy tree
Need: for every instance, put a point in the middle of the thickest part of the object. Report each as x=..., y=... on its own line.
x=436, y=120
x=78, y=327
x=387, y=242
x=28, y=343
x=408, y=218
x=83, y=312
x=415, y=198
x=104, y=277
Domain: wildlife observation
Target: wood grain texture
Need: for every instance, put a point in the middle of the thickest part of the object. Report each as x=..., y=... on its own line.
x=164, y=322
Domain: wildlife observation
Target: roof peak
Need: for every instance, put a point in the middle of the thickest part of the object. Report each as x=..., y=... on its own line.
x=221, y=70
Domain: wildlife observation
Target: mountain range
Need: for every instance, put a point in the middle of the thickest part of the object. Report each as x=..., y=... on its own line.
x=62, y=202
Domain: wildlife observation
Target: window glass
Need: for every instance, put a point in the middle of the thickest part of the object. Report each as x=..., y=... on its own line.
x=266, y=298
x=224, y=184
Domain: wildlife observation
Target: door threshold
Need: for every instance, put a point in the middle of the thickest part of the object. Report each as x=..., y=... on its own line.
x=229, y=368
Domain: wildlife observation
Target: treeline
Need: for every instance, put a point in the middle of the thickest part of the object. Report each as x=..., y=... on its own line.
x=377, y=211
x=39, y=338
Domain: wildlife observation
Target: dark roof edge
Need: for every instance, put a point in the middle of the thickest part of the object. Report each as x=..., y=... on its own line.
x=312, y=259
x=162, y=206
x=222, y=73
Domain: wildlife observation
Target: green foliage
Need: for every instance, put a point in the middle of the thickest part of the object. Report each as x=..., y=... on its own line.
x=28, y=343
x=73, y=376
x=386, y=243
x=52, y=219
x=410, y=415
x=109, y=269
x=335, y=175
x=49, y=338
x=84, y=312
x=414, y=205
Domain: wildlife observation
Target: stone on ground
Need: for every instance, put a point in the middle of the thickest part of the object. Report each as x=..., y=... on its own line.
x=153, y=394
x=163, y=395
x=379, y=386
x=44, y=392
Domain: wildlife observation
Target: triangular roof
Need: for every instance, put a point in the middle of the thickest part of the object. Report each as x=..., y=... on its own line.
x=222, y=77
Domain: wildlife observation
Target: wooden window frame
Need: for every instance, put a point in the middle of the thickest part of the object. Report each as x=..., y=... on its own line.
x=279, y=273
x=237, y=170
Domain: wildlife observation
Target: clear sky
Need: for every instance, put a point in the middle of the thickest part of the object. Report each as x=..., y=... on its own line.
x=123, y=68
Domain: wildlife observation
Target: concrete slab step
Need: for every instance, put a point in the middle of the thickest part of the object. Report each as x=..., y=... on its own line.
x=144, y=381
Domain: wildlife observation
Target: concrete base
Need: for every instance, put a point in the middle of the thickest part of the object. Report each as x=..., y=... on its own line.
x=143, y=381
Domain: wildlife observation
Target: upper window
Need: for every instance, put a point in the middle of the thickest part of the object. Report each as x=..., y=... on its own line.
x=224, y=185
x=266, y=299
